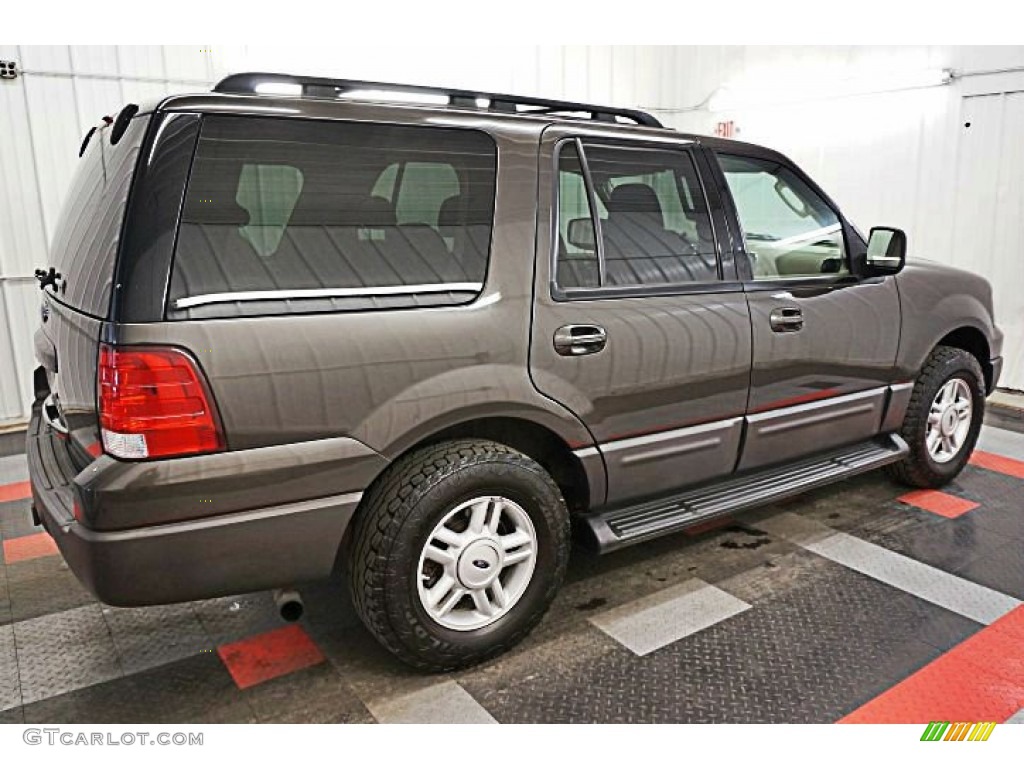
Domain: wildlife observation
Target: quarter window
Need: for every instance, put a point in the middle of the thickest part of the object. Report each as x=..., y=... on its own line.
x=788, y=229
x=653, y=219
x=313, y=216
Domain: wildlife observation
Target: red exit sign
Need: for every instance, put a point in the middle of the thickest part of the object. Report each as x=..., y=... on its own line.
x=726, y=129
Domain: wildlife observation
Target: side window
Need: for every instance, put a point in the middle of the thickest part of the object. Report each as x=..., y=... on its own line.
x=654, y=223
x=328, y=215
x=789, y=231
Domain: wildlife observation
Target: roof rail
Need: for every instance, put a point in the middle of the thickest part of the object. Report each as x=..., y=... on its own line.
x=324, y=87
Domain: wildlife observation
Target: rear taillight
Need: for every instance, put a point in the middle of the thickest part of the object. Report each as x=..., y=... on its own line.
x=154, y=402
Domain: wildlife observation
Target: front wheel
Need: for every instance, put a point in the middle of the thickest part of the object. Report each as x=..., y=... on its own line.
x=458, y=552
x=943, y=419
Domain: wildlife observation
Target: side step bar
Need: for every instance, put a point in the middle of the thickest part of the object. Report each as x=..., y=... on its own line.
x=616, y=528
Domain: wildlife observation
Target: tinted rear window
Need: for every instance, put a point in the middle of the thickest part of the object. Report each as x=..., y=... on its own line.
x=303, y=215
x=85, y=242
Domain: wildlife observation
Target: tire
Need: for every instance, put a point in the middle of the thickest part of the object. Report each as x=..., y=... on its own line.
x=399, y=516
x=920, y=469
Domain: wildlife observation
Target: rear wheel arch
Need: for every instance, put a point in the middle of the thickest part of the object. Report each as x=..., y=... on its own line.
x=531, y=438
x=538, y=442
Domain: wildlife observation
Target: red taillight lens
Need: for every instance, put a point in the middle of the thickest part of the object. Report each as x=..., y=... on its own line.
x=154, y=402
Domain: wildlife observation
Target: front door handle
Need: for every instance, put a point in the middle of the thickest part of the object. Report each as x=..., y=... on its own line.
x=786, y=319
x=580, y=339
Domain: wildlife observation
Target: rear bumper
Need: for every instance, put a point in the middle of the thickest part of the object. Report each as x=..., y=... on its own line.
x=222, y=554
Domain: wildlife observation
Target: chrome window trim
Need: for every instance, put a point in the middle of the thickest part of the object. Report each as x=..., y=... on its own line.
x=325, y=293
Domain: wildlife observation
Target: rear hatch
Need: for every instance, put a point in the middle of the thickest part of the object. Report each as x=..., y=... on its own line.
x=76, y=302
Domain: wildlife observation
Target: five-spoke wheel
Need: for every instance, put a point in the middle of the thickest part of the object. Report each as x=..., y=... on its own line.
x=477, y=563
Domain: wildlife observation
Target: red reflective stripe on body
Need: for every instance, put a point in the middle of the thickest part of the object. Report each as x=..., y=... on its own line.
x=810, y=397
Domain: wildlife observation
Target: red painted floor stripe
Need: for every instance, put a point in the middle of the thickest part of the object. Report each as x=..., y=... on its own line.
x=15, y=491
x=272, y=654
x=938, y=503
x=982, y=679
x=997, y=463
x=29, y=547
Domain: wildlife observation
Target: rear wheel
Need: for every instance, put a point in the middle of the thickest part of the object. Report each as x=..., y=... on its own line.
x=458, y=552
x=943, y=420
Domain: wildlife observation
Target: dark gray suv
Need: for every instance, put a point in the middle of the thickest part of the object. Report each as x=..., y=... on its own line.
x=292, y=324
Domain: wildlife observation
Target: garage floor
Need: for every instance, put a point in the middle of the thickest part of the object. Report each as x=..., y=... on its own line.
x=859, y=602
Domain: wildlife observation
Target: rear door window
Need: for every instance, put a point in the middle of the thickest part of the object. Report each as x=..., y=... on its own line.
x=298, y=215
x=631, y=217
x=85, y=242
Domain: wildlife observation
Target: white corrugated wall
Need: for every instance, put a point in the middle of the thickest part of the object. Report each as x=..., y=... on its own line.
x=902, y=158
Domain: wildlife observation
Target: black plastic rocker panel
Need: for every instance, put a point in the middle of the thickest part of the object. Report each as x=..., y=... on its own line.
x=616, y=528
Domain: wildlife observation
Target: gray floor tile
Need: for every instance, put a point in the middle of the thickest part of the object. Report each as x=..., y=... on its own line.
x=317, y=694
x=43, y=586
x=16, y=519
x=194, y=690
x=13, y=469
x=445, y=702
x=10, y=687
x=149, y=637
x=653, y=621
x=64, y=651
x=1001, y=441
x=972, y=600
x=227, y=619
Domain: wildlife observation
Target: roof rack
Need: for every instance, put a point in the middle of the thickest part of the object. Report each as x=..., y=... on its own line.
x=324, y=87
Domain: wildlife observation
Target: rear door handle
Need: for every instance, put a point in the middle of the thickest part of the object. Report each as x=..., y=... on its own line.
x=580, y=339
x=786, y=319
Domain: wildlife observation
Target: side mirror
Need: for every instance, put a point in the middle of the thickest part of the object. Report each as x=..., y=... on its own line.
x=887, y=251
x=580, y=232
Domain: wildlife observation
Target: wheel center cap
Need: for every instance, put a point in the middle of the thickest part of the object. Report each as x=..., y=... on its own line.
x=949, y=422
x=479, y=564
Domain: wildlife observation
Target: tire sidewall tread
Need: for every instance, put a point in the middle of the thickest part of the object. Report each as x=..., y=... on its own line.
x=918, y=469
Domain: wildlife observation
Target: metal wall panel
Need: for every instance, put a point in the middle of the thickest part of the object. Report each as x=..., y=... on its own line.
x=988, y=229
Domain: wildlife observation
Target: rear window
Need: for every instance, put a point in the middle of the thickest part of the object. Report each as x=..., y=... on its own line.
x=85, y=242
x=299, y=215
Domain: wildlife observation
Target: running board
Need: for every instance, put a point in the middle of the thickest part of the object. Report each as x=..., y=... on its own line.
x=617, y=528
